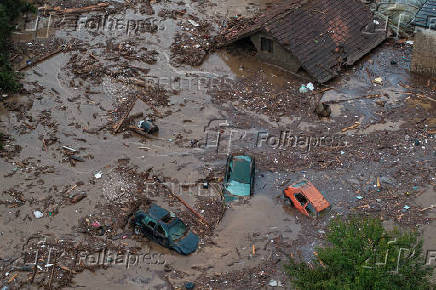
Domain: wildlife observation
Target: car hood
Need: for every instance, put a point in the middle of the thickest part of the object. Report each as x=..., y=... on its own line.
x=238, y=188
x=188, y=244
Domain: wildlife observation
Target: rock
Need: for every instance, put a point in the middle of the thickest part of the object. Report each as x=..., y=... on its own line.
x=387, y=180
x=323, y=110
x=38, y=214
x=77, y=197
x=354, y=181
x=274, y=283
x=167, y=268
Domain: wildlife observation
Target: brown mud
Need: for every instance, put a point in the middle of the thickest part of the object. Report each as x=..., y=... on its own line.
x=87, y=196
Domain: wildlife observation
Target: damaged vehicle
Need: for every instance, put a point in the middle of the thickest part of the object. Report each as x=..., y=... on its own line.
x=239, y=177
x=306, y=198
x=163, y=227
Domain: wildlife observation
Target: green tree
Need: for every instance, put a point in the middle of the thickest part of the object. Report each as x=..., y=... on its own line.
x=360, y=254
x=9, y=11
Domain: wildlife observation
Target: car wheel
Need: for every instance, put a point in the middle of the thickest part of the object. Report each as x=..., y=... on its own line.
x=138, y=230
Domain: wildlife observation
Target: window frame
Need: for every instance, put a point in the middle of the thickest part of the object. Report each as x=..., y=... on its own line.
x=266, y=44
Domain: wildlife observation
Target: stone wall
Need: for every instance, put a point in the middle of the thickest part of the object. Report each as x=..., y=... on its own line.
x=424, y=53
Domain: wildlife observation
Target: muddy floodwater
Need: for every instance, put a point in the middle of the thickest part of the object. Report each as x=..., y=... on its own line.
x=74, y=167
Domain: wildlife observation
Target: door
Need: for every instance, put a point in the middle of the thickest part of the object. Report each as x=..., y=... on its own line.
x=161, y=236
x=148, y=228
x=253, y=173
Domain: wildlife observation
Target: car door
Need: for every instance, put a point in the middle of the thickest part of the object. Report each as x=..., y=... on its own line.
x=148, y=228
x=253, y=172
x=228, y=169
x=161, y=235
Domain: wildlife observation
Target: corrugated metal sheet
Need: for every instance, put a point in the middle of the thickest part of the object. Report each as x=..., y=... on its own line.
x=426, y=16
x=322, y=34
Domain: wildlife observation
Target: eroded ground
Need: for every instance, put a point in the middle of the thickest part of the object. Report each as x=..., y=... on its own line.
x=166, y=70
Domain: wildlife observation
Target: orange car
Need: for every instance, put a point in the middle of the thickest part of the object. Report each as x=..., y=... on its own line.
x=306, y=198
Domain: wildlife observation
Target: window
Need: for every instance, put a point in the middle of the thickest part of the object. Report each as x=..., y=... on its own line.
x=266, y=44
x=310, y=210
x=151, y=224
x=301, y=198
x=160, y=231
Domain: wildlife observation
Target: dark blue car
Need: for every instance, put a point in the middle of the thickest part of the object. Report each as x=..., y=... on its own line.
x=161, y=226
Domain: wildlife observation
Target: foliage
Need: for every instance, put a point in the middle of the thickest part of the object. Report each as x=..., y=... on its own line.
x=360, y=254
x=9, y=11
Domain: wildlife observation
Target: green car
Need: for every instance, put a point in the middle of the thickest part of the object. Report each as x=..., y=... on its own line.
x=239, y=177
x=161, y=226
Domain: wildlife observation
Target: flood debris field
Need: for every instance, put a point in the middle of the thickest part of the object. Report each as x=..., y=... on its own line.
x=75, y=167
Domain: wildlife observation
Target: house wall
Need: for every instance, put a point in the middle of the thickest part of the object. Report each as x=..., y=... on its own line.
x=279, y=56
x=424, y=52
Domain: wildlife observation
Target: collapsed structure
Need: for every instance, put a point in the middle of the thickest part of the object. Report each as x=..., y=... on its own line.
x=319, y=36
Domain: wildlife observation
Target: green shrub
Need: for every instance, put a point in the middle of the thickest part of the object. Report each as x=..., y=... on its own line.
x=360, y=254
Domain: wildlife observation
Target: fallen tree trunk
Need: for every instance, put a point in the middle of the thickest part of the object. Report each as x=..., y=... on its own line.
x=41, y=59
x=199, y=216
x=120, y=122
x=59, y=10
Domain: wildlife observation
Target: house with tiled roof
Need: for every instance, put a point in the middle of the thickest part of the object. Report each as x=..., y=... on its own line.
x=319, y=36
x=426, y=16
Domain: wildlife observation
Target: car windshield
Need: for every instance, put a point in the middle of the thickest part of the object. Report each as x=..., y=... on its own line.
x=177, y=230
x=240, y=170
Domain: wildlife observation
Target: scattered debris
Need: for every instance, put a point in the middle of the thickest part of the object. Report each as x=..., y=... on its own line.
x=354, y=126
x=274, y=283
x=148, y=127
x=378, y=81
x=38, y=214
x=59, y=10
x=305, y=88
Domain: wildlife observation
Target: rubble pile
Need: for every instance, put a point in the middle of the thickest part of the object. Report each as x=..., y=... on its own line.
x=191, y=44
x=173, y=14
x=52, y=263
x=258, y=95
x=87, y=67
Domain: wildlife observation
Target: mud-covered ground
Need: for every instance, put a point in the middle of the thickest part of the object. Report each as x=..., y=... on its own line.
x=71, y=152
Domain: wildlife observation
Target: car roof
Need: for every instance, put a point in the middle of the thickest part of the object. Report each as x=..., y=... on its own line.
x=312, y=194
x=156, y=212
x=241, y=167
